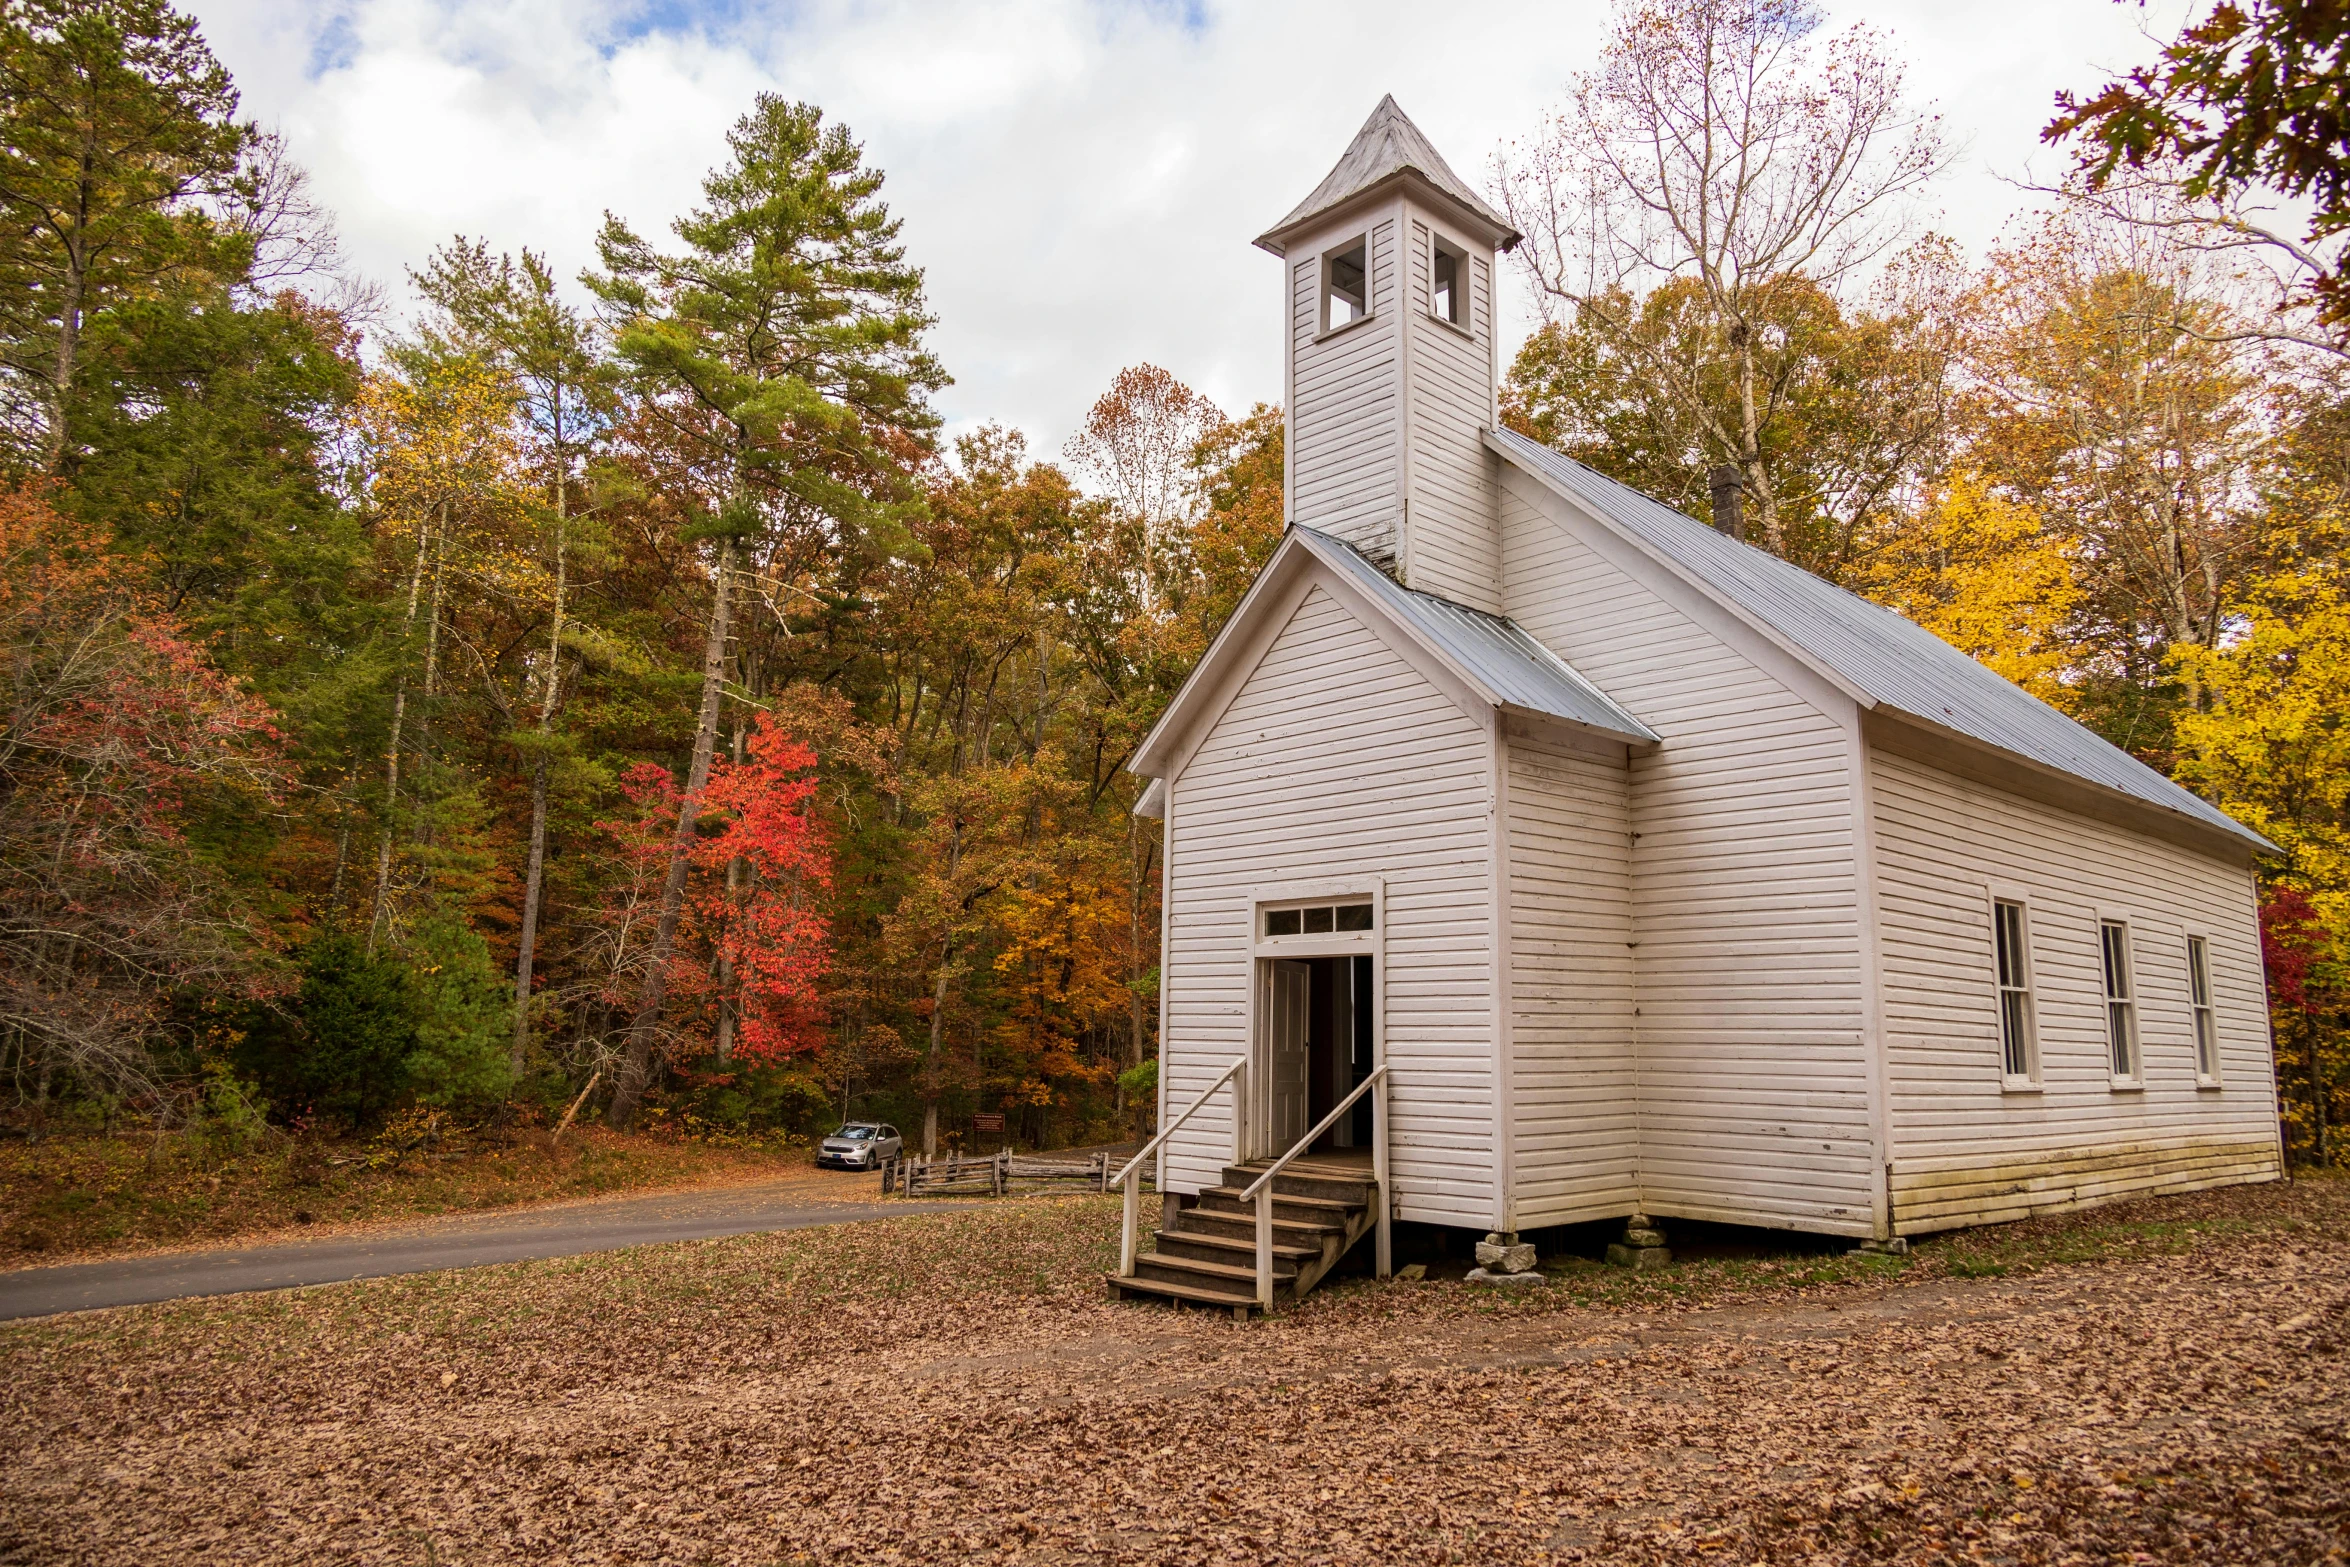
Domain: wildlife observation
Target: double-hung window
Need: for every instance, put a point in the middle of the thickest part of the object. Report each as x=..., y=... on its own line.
x=2018, y=1063
x=2199, y=999
x=2121, y=1008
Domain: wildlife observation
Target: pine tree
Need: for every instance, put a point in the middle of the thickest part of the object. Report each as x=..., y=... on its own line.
x=783, y=345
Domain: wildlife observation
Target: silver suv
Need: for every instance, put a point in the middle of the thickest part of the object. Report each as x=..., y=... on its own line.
x=860, y=1145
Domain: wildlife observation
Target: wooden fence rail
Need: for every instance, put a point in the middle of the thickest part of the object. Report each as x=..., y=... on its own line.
x=993, y=1176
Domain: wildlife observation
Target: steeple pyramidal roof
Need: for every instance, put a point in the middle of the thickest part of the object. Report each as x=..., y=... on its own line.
x=1388, y=145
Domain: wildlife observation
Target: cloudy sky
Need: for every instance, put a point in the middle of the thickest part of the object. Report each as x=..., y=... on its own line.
x=1080, y=180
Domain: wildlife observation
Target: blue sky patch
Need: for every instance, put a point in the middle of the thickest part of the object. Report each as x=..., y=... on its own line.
x=335, y=46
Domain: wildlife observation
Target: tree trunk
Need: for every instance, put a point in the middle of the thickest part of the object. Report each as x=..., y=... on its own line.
x=68, y=350
x=1134, y=1019
x=383, y=849
x=636, y=1061
x=729, y=1006
x=383, y=843
x=432, y=664
x=938, y=999
x=1758, y=479
x=938, y=1017
x=69, y=304
x=535, y=876
x=2317, y=1093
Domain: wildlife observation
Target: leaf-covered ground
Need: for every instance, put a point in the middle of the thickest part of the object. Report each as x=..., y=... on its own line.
x=67, y=1198
x=2158, y=1383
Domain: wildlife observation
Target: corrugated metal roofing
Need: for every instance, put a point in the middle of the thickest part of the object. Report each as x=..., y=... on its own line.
x=1388, y=143
x=1897, y=663
x=1495, y=653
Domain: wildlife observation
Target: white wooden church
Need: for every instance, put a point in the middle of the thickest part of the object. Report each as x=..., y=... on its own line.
x=1661, y=876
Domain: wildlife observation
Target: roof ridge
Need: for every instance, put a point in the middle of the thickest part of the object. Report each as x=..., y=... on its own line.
x=1884, y=660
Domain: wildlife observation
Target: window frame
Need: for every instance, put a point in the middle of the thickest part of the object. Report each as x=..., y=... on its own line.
x=1462, y=290
x=1330, y=253
x=1288, y=941
x=2202, y=1015
x=2135, y=1076
x=2029, y=1080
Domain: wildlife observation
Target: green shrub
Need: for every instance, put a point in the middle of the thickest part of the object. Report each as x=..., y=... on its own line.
x=231, y=1118
x=342, y=1049
x=1141, y=1083
x=762, y=1098
x=464, y=1017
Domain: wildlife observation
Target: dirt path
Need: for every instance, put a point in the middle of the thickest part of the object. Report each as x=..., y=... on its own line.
x=952, y=1388
x=466, y=1241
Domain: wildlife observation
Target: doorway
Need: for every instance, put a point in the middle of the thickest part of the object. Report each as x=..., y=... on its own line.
x=1320, y=1032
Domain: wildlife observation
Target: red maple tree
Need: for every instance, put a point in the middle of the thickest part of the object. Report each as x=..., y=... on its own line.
x=761, y=945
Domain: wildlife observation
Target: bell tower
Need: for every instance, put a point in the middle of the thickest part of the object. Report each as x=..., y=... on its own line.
x=1390, y=362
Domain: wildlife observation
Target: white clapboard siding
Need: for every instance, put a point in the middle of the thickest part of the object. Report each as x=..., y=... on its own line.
x=1572, y=1072
x=1344, y=399
x=1753, y=1062
x=1337, y=758
x=1964, y=1150
x=1455, y=547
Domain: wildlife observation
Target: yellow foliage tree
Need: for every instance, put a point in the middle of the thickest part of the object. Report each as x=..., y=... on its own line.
x=1983, y=573
x=444, y=483
x=2271, y=746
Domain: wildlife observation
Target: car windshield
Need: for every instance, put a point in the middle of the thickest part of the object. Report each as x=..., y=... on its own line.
x=855, y=1133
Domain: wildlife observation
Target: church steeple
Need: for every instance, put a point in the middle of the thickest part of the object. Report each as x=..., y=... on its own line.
x=1390, y=147
x=1391, y=360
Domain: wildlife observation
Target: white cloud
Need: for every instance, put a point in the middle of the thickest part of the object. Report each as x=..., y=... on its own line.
x=1080, y=180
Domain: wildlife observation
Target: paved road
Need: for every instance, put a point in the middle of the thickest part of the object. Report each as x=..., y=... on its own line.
x=460, y=1242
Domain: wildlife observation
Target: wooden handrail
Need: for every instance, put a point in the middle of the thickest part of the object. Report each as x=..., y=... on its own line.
x=1131, y=1176
x=1320, y=1127
x=1262, y=1188
x=1172, y=1127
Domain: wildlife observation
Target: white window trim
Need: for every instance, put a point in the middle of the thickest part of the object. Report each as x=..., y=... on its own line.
x=1320, y=944
x=2208, y=1009
x=1464, y=285
x=2030, y=1082
x=2135, y=1079
x=1323, y=329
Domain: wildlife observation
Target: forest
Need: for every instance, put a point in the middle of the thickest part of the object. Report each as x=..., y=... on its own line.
x=493, y=691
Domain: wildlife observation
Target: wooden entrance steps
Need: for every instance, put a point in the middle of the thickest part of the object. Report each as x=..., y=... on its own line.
x=1208, y=1255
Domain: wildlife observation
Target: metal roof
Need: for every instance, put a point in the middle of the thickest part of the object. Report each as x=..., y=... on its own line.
x=1496, y=654
x=1388, y=144
x=1895, y=662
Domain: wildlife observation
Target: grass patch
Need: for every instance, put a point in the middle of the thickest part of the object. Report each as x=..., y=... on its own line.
x=1997, y=1251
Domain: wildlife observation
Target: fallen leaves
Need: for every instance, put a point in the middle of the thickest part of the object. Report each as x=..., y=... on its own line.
x=953, y=1387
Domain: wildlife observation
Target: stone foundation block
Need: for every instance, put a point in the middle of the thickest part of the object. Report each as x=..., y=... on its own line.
x=1509, y=1280
x=1504, y=1258
x=1638, y=1257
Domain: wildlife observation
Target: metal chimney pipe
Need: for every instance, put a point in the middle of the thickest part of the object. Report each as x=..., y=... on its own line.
x=1729, y=490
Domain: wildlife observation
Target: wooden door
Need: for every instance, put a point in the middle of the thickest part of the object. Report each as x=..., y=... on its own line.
x=1289, y=989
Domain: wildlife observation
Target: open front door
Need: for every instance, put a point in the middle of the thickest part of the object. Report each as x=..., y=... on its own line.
x=1289, y=991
